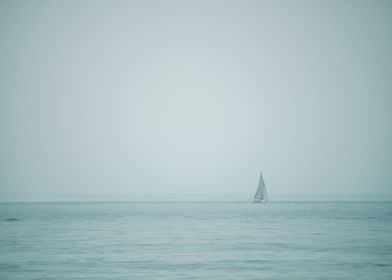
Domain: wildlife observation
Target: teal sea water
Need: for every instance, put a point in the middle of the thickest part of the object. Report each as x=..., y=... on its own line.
x=209, y=240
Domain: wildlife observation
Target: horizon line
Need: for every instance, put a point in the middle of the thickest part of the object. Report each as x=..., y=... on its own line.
x=190, y=201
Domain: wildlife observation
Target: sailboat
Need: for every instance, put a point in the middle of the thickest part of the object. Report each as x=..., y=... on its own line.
x=261, y=193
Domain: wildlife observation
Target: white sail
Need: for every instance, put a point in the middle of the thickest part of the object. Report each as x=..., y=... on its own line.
x=261, y=193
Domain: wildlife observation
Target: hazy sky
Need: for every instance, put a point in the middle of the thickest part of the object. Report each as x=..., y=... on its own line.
x=146, y=100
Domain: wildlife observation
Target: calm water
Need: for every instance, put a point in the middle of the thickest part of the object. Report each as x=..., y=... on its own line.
x=196, y=241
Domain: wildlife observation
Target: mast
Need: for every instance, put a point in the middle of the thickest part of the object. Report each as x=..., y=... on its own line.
x=264, y=191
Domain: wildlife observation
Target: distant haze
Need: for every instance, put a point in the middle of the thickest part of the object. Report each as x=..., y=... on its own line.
x=190, y=100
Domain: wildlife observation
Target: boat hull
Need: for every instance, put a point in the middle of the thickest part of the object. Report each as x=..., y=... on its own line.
x=259, y=201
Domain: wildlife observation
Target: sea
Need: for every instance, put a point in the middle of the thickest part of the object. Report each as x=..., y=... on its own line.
x=196, y=240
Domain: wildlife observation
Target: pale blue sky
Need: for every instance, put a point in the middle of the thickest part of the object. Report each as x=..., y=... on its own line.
x=147, y=100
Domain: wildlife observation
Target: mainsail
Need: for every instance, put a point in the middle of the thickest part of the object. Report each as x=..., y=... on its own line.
x=261, y=193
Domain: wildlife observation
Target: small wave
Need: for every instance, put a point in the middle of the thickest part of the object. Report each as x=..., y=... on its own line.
x=381, y=264
x=11, y=219
x=5, y=266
